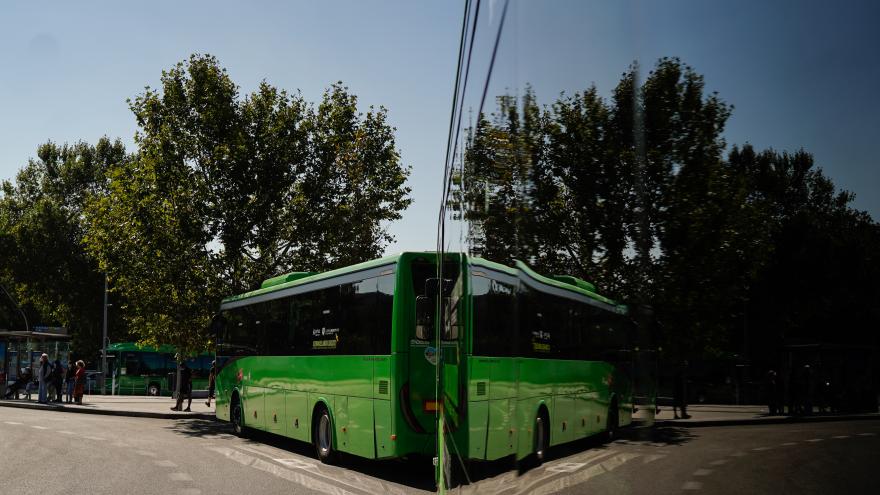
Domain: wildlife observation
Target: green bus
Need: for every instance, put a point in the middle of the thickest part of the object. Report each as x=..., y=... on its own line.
x=138, y=370
x=346, y=359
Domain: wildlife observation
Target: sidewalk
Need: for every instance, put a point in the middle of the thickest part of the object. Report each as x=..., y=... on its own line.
x=726, y=415
x=122, y=405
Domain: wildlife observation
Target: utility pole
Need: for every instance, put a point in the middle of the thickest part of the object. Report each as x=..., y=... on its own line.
x=104, y=343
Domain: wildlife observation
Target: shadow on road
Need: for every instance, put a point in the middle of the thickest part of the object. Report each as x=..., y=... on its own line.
x=415, y=473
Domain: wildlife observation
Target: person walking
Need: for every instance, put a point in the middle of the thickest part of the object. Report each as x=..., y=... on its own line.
x=679, y=392
x=770, y=391
x=57, y=380
x=185, y=388
x=212, y=380
x=70, y=378
x=43, y=377
x=79, y=382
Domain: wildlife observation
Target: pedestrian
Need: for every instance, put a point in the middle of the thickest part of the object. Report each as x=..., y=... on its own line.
x=79, y=382
x=771, y=385
x=185, y=388
x=57, y=380
x=43, y=377
x=212, y=380
x=70, y=378
x=679, y=391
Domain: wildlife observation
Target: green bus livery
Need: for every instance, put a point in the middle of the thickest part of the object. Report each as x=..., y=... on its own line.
x=346, y=360
x=139, y=370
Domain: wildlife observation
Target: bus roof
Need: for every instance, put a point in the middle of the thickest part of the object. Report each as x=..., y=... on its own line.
x=565, y=282
x=134, y=347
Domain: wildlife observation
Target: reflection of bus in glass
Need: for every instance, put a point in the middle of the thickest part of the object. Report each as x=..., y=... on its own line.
x=346, y=359
x=150, y=371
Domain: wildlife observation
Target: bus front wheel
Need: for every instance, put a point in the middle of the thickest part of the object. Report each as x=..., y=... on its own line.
x=153, y=390
x=322, y=435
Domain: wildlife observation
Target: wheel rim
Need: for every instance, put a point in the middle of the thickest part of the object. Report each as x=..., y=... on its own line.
x=324, y=434
x=154, y=390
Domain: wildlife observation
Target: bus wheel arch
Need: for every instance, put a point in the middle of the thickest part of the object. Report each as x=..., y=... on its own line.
x=323, y=433
x=612, y=420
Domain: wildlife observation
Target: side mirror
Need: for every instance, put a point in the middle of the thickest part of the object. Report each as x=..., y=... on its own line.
x=424, y=317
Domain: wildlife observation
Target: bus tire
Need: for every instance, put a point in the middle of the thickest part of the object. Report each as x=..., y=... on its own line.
x=322, y=435
x=236, y=416
x=542, y=436
x=154, y=390
x=613, y=422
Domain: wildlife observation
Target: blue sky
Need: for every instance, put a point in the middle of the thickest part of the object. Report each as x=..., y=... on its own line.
x=800, y=74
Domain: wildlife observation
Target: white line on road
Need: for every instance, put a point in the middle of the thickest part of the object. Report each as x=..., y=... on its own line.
x=13, y=423
x=97, y=439
x=166, y=463
x=840, y=436
x=789, y=444
x=39, y=427
x=582, y=476
x=814, y=440
x=652, y=458
x=719, y=462
x=180, y=477
x=739, y=454
x=761, y=449
x=145, y=453
x=702, y=472
x=867, y=434
x=692, y=485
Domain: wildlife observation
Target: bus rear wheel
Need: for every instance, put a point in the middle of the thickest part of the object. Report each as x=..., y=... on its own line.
x=322, y=435
x=236, y=416
x=153, y=390
x=542, y=437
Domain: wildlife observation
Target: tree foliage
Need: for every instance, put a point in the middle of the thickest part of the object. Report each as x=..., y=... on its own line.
x=225, y=191
x=636, y=193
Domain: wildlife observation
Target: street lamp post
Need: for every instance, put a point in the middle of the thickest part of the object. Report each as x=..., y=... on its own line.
x=104, y=343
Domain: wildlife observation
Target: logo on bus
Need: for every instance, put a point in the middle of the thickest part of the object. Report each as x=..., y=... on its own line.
x=240, y=375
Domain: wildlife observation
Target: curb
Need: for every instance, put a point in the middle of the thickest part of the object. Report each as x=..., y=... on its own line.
x=767, y=421
x=110, y=412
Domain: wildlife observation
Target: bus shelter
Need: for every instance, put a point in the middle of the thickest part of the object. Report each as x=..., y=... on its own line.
x=20, y=351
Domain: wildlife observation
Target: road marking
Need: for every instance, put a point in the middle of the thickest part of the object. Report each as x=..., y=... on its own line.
x=166, y=463
x=146, y=453
x=789, y=444
x=180, y=477
x=702, y=472
x=739, y=454
x=97, y=439
x=296, y=463
x=692, y=485
x=761, y=449
x=814, y=440
x=652, y=458
x=280, y=472
x=867, y=434
x=13, y=423
x=559, y=484
x=566, y=467
x=840, y=436
x=190, y=491
x=65, y=432
x=719, y=462
x=39, y=427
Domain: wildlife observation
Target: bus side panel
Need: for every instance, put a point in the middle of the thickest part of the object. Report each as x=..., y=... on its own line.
x=254, y=407
x=480, y=370
x=275, y=410
x=383, y=429
x=502, y=395
x=359, y=434
x=297, y=417
x=526, y=412
x=561, y=430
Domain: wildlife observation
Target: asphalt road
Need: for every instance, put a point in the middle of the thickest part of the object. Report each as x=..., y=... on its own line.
x=52, y=452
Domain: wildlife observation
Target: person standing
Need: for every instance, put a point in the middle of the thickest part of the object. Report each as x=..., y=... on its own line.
x=679, y=392
x=57, y=380
x=43, y=376
x=70, y=378
x=770, y=390
x=212, y=380
x=79, y=382
x=185, y=388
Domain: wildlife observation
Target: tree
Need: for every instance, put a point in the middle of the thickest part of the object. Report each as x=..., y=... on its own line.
x=41, y=230
x=224, y=192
